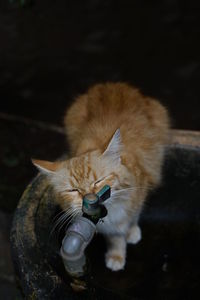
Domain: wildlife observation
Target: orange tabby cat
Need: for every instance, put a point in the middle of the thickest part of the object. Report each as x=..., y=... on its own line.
x=117, y=137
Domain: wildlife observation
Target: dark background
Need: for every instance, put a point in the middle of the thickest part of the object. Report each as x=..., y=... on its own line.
x=51, y=51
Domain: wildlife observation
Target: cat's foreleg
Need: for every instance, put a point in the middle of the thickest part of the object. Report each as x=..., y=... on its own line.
x=134, y=234
x=116, y=253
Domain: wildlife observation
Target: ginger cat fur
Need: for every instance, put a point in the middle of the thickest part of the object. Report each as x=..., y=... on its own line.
x=117, y=136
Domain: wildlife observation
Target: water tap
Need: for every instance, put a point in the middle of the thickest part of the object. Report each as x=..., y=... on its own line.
x=80, y=233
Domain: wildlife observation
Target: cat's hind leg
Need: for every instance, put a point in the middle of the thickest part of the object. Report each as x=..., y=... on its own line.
x=116, y=253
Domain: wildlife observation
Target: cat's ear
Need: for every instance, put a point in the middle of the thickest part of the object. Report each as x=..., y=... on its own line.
x=114, y=147
x=45, y=167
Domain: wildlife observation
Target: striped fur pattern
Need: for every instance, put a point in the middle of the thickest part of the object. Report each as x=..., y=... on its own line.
x=117, y=136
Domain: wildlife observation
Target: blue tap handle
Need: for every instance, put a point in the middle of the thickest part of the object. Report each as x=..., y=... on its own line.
x=104, y=193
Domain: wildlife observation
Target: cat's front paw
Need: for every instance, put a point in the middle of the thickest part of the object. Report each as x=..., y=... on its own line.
x=115, y=262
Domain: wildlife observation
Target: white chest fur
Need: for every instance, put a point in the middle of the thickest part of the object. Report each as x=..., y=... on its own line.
x=116, y=221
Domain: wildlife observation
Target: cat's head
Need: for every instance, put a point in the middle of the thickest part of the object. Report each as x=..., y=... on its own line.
x=88, y=173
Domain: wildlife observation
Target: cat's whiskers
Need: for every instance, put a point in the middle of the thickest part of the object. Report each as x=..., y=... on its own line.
x=57, y=223
x=67, y=215
x=59, y=213
x=132, y=189
x=66, y=221
x=74, y=216
x=124, y=194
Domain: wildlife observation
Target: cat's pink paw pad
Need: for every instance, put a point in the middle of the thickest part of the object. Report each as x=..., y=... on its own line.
x=134, y=235
x=115, y=262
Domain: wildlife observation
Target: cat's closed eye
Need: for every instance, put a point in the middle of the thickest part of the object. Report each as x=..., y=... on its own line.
x=73, y=190
x=109, y=179
x=99, y=181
